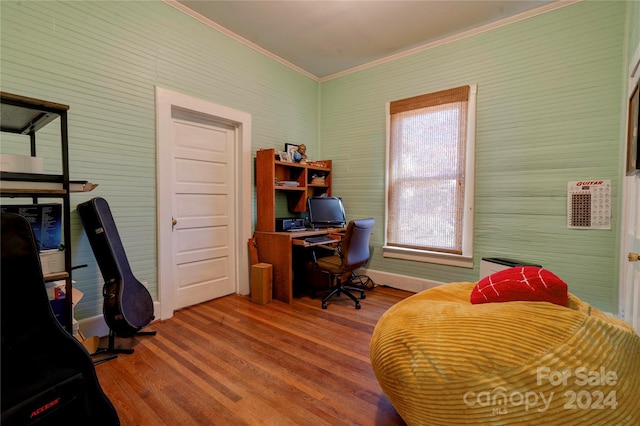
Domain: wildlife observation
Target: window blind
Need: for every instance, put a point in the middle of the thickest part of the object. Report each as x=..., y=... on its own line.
x=427, y=171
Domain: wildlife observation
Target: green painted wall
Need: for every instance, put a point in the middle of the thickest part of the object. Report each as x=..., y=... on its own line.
x=104, y=60
x=548, y=112
x=633, y=15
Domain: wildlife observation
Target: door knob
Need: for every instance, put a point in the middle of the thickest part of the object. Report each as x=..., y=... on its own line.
x=634, y=257
x=174, y=222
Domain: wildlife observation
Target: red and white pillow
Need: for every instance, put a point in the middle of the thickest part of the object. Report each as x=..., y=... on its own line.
x=521, y=283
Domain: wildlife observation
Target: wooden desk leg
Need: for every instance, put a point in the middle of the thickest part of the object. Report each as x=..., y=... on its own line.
x=276, y=249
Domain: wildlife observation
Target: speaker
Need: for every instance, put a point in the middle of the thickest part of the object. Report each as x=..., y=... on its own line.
x=288, y=223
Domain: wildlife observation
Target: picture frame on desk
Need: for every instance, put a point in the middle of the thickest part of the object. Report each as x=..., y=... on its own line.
x=633, y=154
x=284, y=156
x=291, y=149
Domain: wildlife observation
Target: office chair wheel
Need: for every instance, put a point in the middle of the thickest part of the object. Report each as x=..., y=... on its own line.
x=324, y=305
x=358, y=306
x=363, y=296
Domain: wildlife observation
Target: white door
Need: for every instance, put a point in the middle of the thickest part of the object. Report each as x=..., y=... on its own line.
x=205, y=186
x=630, y=272
x=203, y=244
x=630, y=267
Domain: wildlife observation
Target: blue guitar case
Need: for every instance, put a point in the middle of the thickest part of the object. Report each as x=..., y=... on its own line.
x=128, y=306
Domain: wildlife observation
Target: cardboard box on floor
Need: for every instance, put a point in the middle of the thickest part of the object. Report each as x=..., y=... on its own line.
x=90, y=343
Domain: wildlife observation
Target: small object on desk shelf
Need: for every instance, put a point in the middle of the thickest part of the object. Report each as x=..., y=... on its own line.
x=321, y=163
x=289, y=224
x=318, y=179
x=284, y=156
x=297, y=229
x=299, y=155
x=287, y=183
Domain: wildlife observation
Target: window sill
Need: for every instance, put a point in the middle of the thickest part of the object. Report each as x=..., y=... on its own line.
x=428, y=257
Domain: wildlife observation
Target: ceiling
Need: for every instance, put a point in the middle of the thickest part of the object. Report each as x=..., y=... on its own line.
x=322, y=38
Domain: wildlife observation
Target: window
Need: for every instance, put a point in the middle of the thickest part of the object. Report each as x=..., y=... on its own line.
x=430, y=177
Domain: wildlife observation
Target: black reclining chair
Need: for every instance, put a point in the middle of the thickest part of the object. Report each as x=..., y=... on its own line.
x=48, y=377
x=353, y=253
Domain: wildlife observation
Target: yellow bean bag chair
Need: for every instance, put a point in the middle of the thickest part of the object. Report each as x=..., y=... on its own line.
x=444, y=361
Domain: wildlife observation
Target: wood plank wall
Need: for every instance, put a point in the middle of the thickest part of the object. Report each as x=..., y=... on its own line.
x=549, y=111
x=104, y=60
x=549, y=103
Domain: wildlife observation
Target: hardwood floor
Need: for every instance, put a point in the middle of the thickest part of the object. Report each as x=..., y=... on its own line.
x=233, y=362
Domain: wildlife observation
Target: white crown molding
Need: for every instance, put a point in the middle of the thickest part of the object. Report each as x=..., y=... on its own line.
x=470, y=33
x=212, y=24
x=498, y=24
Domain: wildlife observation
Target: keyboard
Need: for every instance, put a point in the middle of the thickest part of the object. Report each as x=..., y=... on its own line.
x=320, y=239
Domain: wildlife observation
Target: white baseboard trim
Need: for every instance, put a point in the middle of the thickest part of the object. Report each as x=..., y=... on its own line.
x=96, y=326
x=401, y=282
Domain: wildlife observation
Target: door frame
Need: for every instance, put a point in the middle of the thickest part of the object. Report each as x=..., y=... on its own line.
x=166, y=101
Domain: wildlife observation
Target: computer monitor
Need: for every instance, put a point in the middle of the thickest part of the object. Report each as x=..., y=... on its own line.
x=326, y=212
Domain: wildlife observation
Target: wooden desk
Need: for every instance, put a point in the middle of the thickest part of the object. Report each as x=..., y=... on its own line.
x=276, y=248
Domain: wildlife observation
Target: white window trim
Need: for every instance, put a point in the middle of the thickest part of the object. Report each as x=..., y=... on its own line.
x=465, y=260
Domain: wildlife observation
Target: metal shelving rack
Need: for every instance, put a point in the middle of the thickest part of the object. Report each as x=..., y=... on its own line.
x=26, y=116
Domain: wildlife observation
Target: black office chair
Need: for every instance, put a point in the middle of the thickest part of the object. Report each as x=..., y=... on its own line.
x=48, y=377
x=352, y=253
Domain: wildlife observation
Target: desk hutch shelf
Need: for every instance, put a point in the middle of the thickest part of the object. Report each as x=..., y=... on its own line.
x=26, y=116
x=296, y=181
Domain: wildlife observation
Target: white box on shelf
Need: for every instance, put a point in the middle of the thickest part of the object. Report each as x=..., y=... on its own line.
x=52, y=261
x=20, y=163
